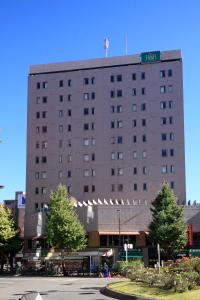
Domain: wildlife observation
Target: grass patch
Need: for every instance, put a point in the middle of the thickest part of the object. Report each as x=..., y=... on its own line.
x=139, y=289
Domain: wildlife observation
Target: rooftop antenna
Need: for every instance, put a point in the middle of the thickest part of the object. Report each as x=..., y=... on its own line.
x=106, y=46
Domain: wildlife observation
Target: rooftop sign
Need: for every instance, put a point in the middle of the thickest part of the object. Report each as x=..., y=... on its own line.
x=149, y=57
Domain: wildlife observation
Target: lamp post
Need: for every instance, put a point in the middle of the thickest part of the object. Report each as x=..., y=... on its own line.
x=119, y=224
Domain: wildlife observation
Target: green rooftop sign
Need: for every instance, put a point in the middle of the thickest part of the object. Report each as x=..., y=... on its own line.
x=149, y=57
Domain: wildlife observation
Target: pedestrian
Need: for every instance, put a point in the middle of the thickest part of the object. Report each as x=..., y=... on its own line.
x=105, y=270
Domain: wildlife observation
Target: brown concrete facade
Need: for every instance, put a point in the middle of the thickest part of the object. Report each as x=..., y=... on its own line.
x=106, y=128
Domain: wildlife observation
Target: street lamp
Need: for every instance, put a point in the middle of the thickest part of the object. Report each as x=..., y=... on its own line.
x=119, y=223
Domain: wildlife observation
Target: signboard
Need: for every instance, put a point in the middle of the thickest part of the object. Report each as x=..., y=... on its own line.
x=21, y=200
x=150, y=57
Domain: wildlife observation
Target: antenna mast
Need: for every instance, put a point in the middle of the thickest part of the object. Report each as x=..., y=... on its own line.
x=106, y=46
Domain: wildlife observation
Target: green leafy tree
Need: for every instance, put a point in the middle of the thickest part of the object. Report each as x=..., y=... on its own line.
x=168, y=227
x=9, y=234
x=64, y=230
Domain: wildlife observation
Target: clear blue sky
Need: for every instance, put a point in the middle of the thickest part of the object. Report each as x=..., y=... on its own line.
x=43, y=31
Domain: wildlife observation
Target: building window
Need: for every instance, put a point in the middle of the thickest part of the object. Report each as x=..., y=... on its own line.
x=69, y=112
x=60, y=114
x=69, y=143
x=171, y=104
x=135, y=187
x=119, y=108
x=37, y=145
x=112, y=172
x=93, y=188
x=92, y=126
x=134, y=107
x=119, y=124
x=44, y=100
x=144, y=170
x=36, y=190
x=134, y=93
x=69, y=189
x=85, y=188
x=69, y=97
x=93, y=80
x=172, y=169
x=163, y=105
x=144, y=154
x=143, y=91
x=86, y=111
x=86, y=126
x=112, y=140
x=134, y=154
x=112, y=124
x=38, y=85
x=162, y=73
x=92, y=95
x=44, y=159
x=143, y=106
x=163, y=89
x=60, y=128
x=112, y=187
x=60, y=174
x=112, y=78
x=119, y=93
x=44, y=144
x=44, y=129
x=61, y=98
x=86, y=96
x=170, y=89
x=37, y=115
x=93, y=156
x=134, y=76
x=37, y=175
x=144, y=138
x=86, y=173
x=44, y=114
x=135, y=139
x=119, y=140
x=112, y=155
x=93, y=141
x=69, y=174
x=86, y=157
x=69, y=158
x=120, y=171
x=86, y=142
x=171, y=120
x=120, y=187
x=170, y=73
x=163, y=121
x=164, y=169
x=37, y=130
x=69, y=82
x=171, y=152
x=144, y=186
x=44, y=84
x=60, y=83
x=86, y=81
x=93, y=173
x=44, y=174
x=120, y=155
x=143, y=122
x=60, y=159
x=135, y=171
x=119, y=77
x=112, y=94
x=92, y=110
x=143, y=75
x=164, y=152
x=171, y=136
x=134, y=123
x=163, y=136
x=38, y=100
x=172, y=184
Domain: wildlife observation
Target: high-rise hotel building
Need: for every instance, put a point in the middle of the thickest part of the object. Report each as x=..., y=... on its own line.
x=108, y=128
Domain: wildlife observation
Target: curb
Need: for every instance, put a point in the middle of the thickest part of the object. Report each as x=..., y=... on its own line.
x=110, y=293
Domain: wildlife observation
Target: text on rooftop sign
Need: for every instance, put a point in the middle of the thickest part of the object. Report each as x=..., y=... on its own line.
x=149, y=57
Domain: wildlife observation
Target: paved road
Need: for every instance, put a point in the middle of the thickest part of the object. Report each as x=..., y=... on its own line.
x=53, y=288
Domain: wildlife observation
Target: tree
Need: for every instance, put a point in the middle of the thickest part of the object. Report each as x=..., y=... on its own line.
x=168, y=228
x=9, y=234
x=63, y=227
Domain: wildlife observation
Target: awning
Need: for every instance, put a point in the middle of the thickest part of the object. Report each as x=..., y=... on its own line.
x=117, y=233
